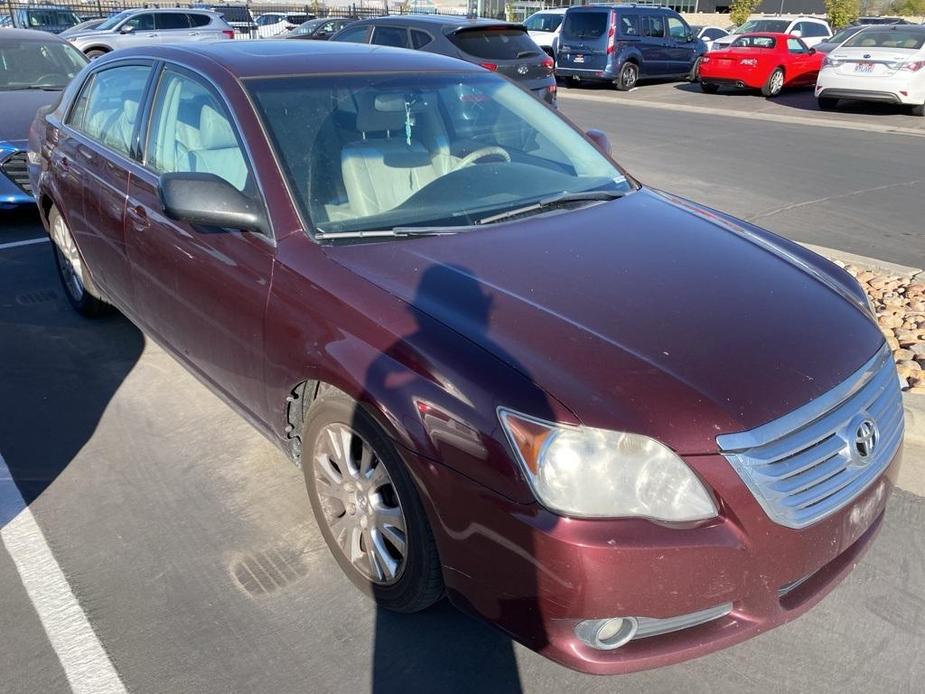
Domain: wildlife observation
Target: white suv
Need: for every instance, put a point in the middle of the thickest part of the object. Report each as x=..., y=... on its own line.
x=883, y=63
x=811, y=29
x=543, y=27
x=151, y=26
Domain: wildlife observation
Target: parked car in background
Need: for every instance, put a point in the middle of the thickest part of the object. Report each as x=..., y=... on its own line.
x=86, y=25
x=275, y=24
x=625, y=43
x=708, y=34
x=885, y=64
x=768, y=62
x=49, y=18
x=497, y=46
x=543, y=27
x=238, y=17
x=321, y=29
x=874, y=21
x=839, y=38
x=35, y=67
x=150, y=27
x=811, y=30
x=473, y=332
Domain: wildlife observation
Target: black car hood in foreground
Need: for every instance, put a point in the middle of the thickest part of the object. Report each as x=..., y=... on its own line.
x=646, y=314
x=18, y=108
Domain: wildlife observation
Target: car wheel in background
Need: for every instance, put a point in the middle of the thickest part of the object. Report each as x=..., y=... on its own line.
x=95, y=53
x=694, y=74
x=709, y=88
x=827, y=103
x=71, y=270
x=629, y=75
x=367, y=506
x=774, y=84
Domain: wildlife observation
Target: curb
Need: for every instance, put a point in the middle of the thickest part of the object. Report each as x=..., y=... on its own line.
x=772, y=117
x=863, y=261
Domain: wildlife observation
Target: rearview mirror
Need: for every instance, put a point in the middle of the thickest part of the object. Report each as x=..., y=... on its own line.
x=127, y=29
x=600, y=140
x=206, y=199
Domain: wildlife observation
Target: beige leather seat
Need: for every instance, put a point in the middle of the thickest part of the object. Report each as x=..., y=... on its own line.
x=218, y=151
x=382, y=169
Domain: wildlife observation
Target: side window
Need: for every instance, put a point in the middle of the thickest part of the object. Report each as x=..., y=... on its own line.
x=191, y=132
x=171, y=20
x=794, y=45
x=326, y=28
x=653, y=26
x=713, y=34
x=629, y=25
x=390, y=36
x=677, y=29
x=199, y=20
x=140, y=22
x=108, y=106
x=355, y=35
x=813, y=29
x=419, y=39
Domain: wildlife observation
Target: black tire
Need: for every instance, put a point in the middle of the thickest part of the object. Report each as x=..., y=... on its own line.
x=628, y=77
x=694, y=74
x=709, y=88
x=95, y=53
x=918, y=110
x=420, y=583
x=827, y=103
x=73, y=280
x=774, y=84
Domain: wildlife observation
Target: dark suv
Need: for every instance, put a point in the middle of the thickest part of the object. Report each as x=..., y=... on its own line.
x=625, y=43
x=500, y=47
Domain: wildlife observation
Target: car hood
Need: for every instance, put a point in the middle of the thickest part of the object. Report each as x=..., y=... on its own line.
x=647, y=314
x=92, y=34
x=18, y=108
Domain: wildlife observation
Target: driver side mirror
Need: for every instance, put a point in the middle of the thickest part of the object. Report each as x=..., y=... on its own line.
x=207, y=200
x=600, y=140
x=127, y=29
x=812, y=51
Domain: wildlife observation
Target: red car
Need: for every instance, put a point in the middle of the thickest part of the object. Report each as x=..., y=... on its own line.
x=768, y=62
x=626, y=429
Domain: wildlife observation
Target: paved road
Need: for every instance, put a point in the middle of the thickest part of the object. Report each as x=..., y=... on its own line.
x=847, y=189
x=152, y=498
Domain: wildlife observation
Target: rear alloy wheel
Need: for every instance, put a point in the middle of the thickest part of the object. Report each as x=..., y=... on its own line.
x=95, y=53
x=71, y=270
x=774, y=84
x=628, y=77
x=827, y=103
x=709, y=88
x=367, y=506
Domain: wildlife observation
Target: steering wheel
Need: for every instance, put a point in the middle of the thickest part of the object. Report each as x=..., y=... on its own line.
x=481, y=153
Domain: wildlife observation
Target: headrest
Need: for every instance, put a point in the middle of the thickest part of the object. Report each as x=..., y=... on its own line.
x=214, y=130
x=372, y=118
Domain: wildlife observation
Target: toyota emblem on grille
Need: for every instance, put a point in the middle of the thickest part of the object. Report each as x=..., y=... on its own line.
x=865, y=438
x=522, y=70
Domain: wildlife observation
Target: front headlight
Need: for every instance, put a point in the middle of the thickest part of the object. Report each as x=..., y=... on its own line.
x=580, y=471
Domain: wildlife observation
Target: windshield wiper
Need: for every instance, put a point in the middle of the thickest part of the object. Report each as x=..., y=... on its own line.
x=391, y=233
x=553, y=202
x=44, y=87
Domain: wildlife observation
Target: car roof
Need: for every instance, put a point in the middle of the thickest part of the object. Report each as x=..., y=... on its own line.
x=279, y=57
x=437, y=21
x=621, y=6
x=184, y=10
x=29, y=35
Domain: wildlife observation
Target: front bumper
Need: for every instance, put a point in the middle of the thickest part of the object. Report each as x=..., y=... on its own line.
x=15, y=189
x=536, y=575
x=896, y=89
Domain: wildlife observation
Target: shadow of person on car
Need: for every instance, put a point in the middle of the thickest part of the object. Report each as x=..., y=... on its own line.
x=440, y=649
x=58, y=373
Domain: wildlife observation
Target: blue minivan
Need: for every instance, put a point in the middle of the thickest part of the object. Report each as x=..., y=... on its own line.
x=625, y=43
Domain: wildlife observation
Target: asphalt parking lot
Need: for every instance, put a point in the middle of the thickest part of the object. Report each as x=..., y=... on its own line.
x=160, y=506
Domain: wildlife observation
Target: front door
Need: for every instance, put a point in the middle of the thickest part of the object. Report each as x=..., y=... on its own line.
x=681, y=46
x=201, y=290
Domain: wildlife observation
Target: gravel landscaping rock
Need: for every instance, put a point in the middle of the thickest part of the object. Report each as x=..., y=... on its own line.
x=899, y=301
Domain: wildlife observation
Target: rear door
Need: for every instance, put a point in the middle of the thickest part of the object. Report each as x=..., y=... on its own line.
x=172, y=27
x=202, y=29
x=507, y=50
x=583, y=40
x=654, y=46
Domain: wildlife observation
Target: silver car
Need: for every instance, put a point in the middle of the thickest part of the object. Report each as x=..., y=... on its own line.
x=151, y=26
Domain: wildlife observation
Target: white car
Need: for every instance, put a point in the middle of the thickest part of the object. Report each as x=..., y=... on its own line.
x=884, y=64
x=272, y=24
x=708, y=34
x=811, y=29
x=543, y=28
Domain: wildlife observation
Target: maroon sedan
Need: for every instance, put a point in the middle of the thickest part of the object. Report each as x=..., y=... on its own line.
x=625, y=429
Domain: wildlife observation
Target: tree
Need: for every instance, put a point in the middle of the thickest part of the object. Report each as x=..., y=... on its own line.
x=841, y=12
x=740, y=10
x=908, y=7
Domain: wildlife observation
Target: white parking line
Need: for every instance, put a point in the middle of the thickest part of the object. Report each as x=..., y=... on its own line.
x=85, y=662
x=27, y=242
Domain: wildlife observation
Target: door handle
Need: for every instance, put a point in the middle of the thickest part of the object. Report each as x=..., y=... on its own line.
x=64, y=164
x=138, y=217
x=194, y=33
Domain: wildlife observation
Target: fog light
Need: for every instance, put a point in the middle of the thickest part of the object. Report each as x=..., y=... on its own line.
x=606, y=634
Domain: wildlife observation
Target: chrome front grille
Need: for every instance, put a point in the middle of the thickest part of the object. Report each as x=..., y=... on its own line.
x=14, y=167
x=817, y=459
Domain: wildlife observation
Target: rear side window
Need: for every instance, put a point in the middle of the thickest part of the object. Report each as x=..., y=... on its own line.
x=653, y=26
x=495, y=44
x=390, y=36
x=107, y=108
x=354, y=35
x=585, y=25
x=629, y=25
x=171, y=20
x=419, y=39
x=200, y=20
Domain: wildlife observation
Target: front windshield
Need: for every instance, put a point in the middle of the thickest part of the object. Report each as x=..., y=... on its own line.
x=376, y=151
x=114, y=20
x=33, y=64
x=543, y=21
x=843, y=35
x=772, y=26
